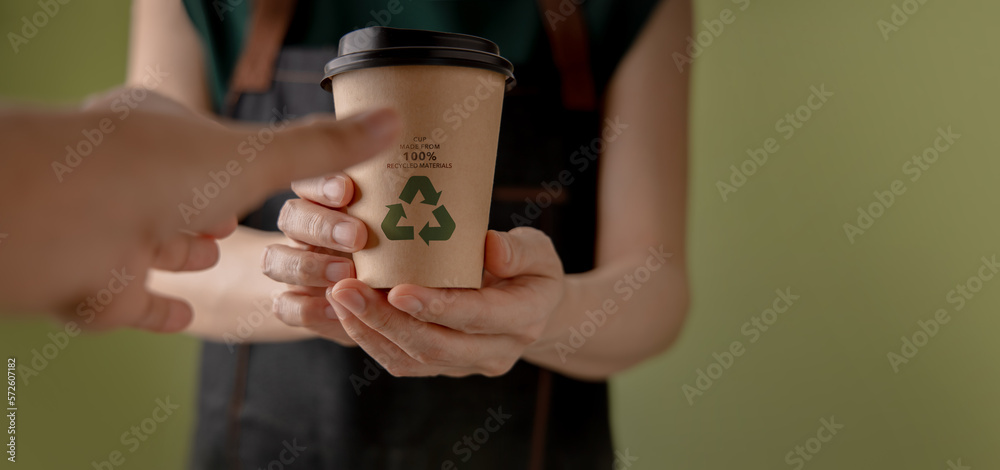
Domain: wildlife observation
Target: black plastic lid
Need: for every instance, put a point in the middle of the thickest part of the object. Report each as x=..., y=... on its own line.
x=378, y=46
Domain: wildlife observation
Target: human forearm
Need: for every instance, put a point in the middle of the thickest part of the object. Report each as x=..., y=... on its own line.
x=616, y=315
x=163, y=39
x=641, y=214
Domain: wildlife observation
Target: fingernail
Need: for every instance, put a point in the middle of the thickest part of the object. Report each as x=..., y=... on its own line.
x=331, y=313
x=337, y=271
x=351, y=299
x=380, y=124
x=334, y=189
x=408, y=304
x=344, y=233
x=508, y=252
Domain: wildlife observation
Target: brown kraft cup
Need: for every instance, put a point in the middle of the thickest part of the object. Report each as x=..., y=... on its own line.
x=426, y=199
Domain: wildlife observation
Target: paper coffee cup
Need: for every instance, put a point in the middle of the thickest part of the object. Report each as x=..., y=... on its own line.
x=426, y=200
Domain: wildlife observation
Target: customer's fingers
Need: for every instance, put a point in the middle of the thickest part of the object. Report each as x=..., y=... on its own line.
x=223, y=229
x=131, y=306
x=162, y=315
x=186, y=252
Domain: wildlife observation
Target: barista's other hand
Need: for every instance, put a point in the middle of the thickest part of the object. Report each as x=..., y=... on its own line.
x=419, y=331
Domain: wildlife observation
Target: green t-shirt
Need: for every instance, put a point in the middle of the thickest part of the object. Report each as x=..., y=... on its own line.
x=515, y=25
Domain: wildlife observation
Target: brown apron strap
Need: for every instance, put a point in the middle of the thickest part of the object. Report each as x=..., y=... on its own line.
x=567, y=32
x=255, y=67
x=236, y=406
x=540, y=428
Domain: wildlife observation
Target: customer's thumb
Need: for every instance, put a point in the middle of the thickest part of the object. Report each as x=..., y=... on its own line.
x=282, y=152
x=319, y=144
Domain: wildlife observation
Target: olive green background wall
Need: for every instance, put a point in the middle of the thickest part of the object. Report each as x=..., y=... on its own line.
x=824, y=358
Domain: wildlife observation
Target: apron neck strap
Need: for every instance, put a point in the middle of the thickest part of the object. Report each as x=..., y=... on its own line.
x=255, y=68
x=567, y=33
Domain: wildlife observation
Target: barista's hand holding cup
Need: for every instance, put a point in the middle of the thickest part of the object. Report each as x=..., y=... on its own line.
x=426, y=199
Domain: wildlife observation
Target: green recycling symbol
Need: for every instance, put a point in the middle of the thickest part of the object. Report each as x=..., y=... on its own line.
x=423, y=185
